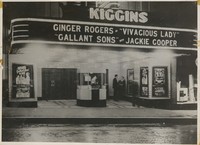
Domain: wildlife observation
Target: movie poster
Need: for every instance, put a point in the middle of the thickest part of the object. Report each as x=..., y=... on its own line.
x=22, y=81
x=159, y=76
x=160, y=83
x=144, y=90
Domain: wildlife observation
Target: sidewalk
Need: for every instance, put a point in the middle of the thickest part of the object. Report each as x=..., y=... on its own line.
x=122, y=111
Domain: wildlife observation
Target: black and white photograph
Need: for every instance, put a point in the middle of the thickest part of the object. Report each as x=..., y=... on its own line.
x=121, y=72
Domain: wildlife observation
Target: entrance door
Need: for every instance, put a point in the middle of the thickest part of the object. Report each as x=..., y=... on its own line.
x=59, y=83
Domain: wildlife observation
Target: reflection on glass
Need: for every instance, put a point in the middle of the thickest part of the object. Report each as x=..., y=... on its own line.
x=95, y=80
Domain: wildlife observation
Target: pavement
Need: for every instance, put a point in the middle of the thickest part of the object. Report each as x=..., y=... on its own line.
x=66, y=111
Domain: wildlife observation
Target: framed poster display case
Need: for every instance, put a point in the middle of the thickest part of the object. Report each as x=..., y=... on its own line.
x=160, y=81
x=144, y=81
x=22, y=78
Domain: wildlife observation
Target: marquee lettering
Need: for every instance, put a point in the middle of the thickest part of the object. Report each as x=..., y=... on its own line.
x=119, y=15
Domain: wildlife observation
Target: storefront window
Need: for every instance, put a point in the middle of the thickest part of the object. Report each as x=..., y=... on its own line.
x=186, y=79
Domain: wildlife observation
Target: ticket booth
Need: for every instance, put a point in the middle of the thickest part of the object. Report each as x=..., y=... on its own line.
x=91, y=90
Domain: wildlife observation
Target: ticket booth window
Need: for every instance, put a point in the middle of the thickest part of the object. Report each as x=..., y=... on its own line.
x=91, y=91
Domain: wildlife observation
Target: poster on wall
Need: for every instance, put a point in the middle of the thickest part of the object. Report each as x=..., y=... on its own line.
x=144, y=81
x=130, y=82
x=159, y=76
x=160, y=82
x=22, y=81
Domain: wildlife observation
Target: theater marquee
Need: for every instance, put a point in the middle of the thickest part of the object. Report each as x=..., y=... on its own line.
x=50, y=31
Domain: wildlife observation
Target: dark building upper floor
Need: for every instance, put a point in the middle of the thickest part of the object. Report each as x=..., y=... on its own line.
x=166, y=14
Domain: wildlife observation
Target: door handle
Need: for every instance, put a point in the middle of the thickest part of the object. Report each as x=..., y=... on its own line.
x=52, y=83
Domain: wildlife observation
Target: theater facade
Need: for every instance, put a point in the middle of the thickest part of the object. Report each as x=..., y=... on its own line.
x=73, y=50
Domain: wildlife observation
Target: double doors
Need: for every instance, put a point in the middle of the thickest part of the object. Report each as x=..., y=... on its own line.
x=59, y=83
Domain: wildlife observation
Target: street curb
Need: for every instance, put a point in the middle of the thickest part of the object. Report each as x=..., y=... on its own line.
x=134, y=120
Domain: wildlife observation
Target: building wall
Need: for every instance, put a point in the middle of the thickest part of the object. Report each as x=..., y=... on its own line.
x=174, y=80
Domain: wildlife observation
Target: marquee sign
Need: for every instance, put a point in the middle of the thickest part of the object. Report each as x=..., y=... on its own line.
x=118, y=15
x=49, y=31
